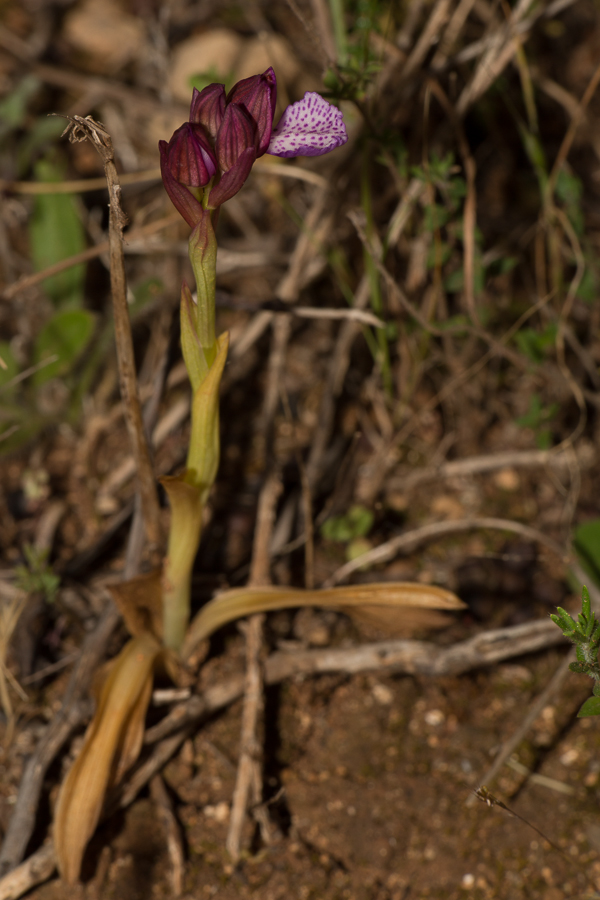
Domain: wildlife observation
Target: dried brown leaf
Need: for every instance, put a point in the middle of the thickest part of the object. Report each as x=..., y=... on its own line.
x=139, y=601
x=352, y=598
x=112, y=743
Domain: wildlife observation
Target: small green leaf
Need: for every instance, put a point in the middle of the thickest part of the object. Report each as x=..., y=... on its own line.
x=13, y=107
x=40, y=136
x=55, y=233
x=65, y=337
x=357, y=523
x=591, y=707
x=145, y=293
x=566, y=619
x=358, y=547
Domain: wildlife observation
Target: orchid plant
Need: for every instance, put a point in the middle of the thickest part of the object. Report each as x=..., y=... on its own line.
x=205, y=163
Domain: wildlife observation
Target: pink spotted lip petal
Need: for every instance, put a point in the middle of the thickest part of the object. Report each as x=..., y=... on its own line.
x=310, y=127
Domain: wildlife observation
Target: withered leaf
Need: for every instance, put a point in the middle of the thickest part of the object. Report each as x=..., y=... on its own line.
x=111, y=745
x=360, y=598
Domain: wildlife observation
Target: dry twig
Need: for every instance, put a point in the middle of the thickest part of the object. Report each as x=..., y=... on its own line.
x=249, y=774
x=170, y=826
x=410, y=540
x=81, y=129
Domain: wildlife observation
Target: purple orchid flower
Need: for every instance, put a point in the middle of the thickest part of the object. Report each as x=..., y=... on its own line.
x=210, y=157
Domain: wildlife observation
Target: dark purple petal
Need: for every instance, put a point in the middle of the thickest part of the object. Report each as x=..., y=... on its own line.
x=190, y=157
x=184, y=202
x=310, y=127
x=236, y=134
x=208, y=108
x=258, y=95
x=232, y=180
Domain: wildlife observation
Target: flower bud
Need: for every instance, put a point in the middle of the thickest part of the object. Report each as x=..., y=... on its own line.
x=208, y=108
x=187, y=164
x=258, y=95
x=237, y=133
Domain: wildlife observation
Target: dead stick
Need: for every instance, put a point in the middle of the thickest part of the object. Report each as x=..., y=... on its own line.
x=170, y=826
x=36, y=869
x=410, y=540
x=249, y=773
x=81, y=129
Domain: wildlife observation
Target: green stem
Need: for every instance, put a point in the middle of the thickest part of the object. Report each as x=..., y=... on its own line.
x=203, y=257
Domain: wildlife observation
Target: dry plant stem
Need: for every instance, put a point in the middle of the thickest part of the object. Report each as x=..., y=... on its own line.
x=248, y=784
x=71, y=715
x=79, y=130
x=498, y=50
x=172, y=832
x=569, y=137
x=429, y=35
x=408, y=542
x=475, y=465
x=77, y=186
x=35, y=870
x=249, y=773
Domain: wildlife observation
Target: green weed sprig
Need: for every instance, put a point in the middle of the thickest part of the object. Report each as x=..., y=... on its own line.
x=585, y=634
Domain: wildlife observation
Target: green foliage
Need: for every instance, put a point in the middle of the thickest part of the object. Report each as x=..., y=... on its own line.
x=535, y=345
x=537, y=157
x=36, y=575
x=356, y=523
x=13, y=108
x=537, y=418
x=350, y=529
x=585, y=634
x=55, y=233
x=12, y=366
x=586, y=542
x=568, y=191
x=357, y=62
x=588, y=286
x=591, y=707
x=455, y=282
x=64, y=337
x=202, y=79
x=39, y=137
